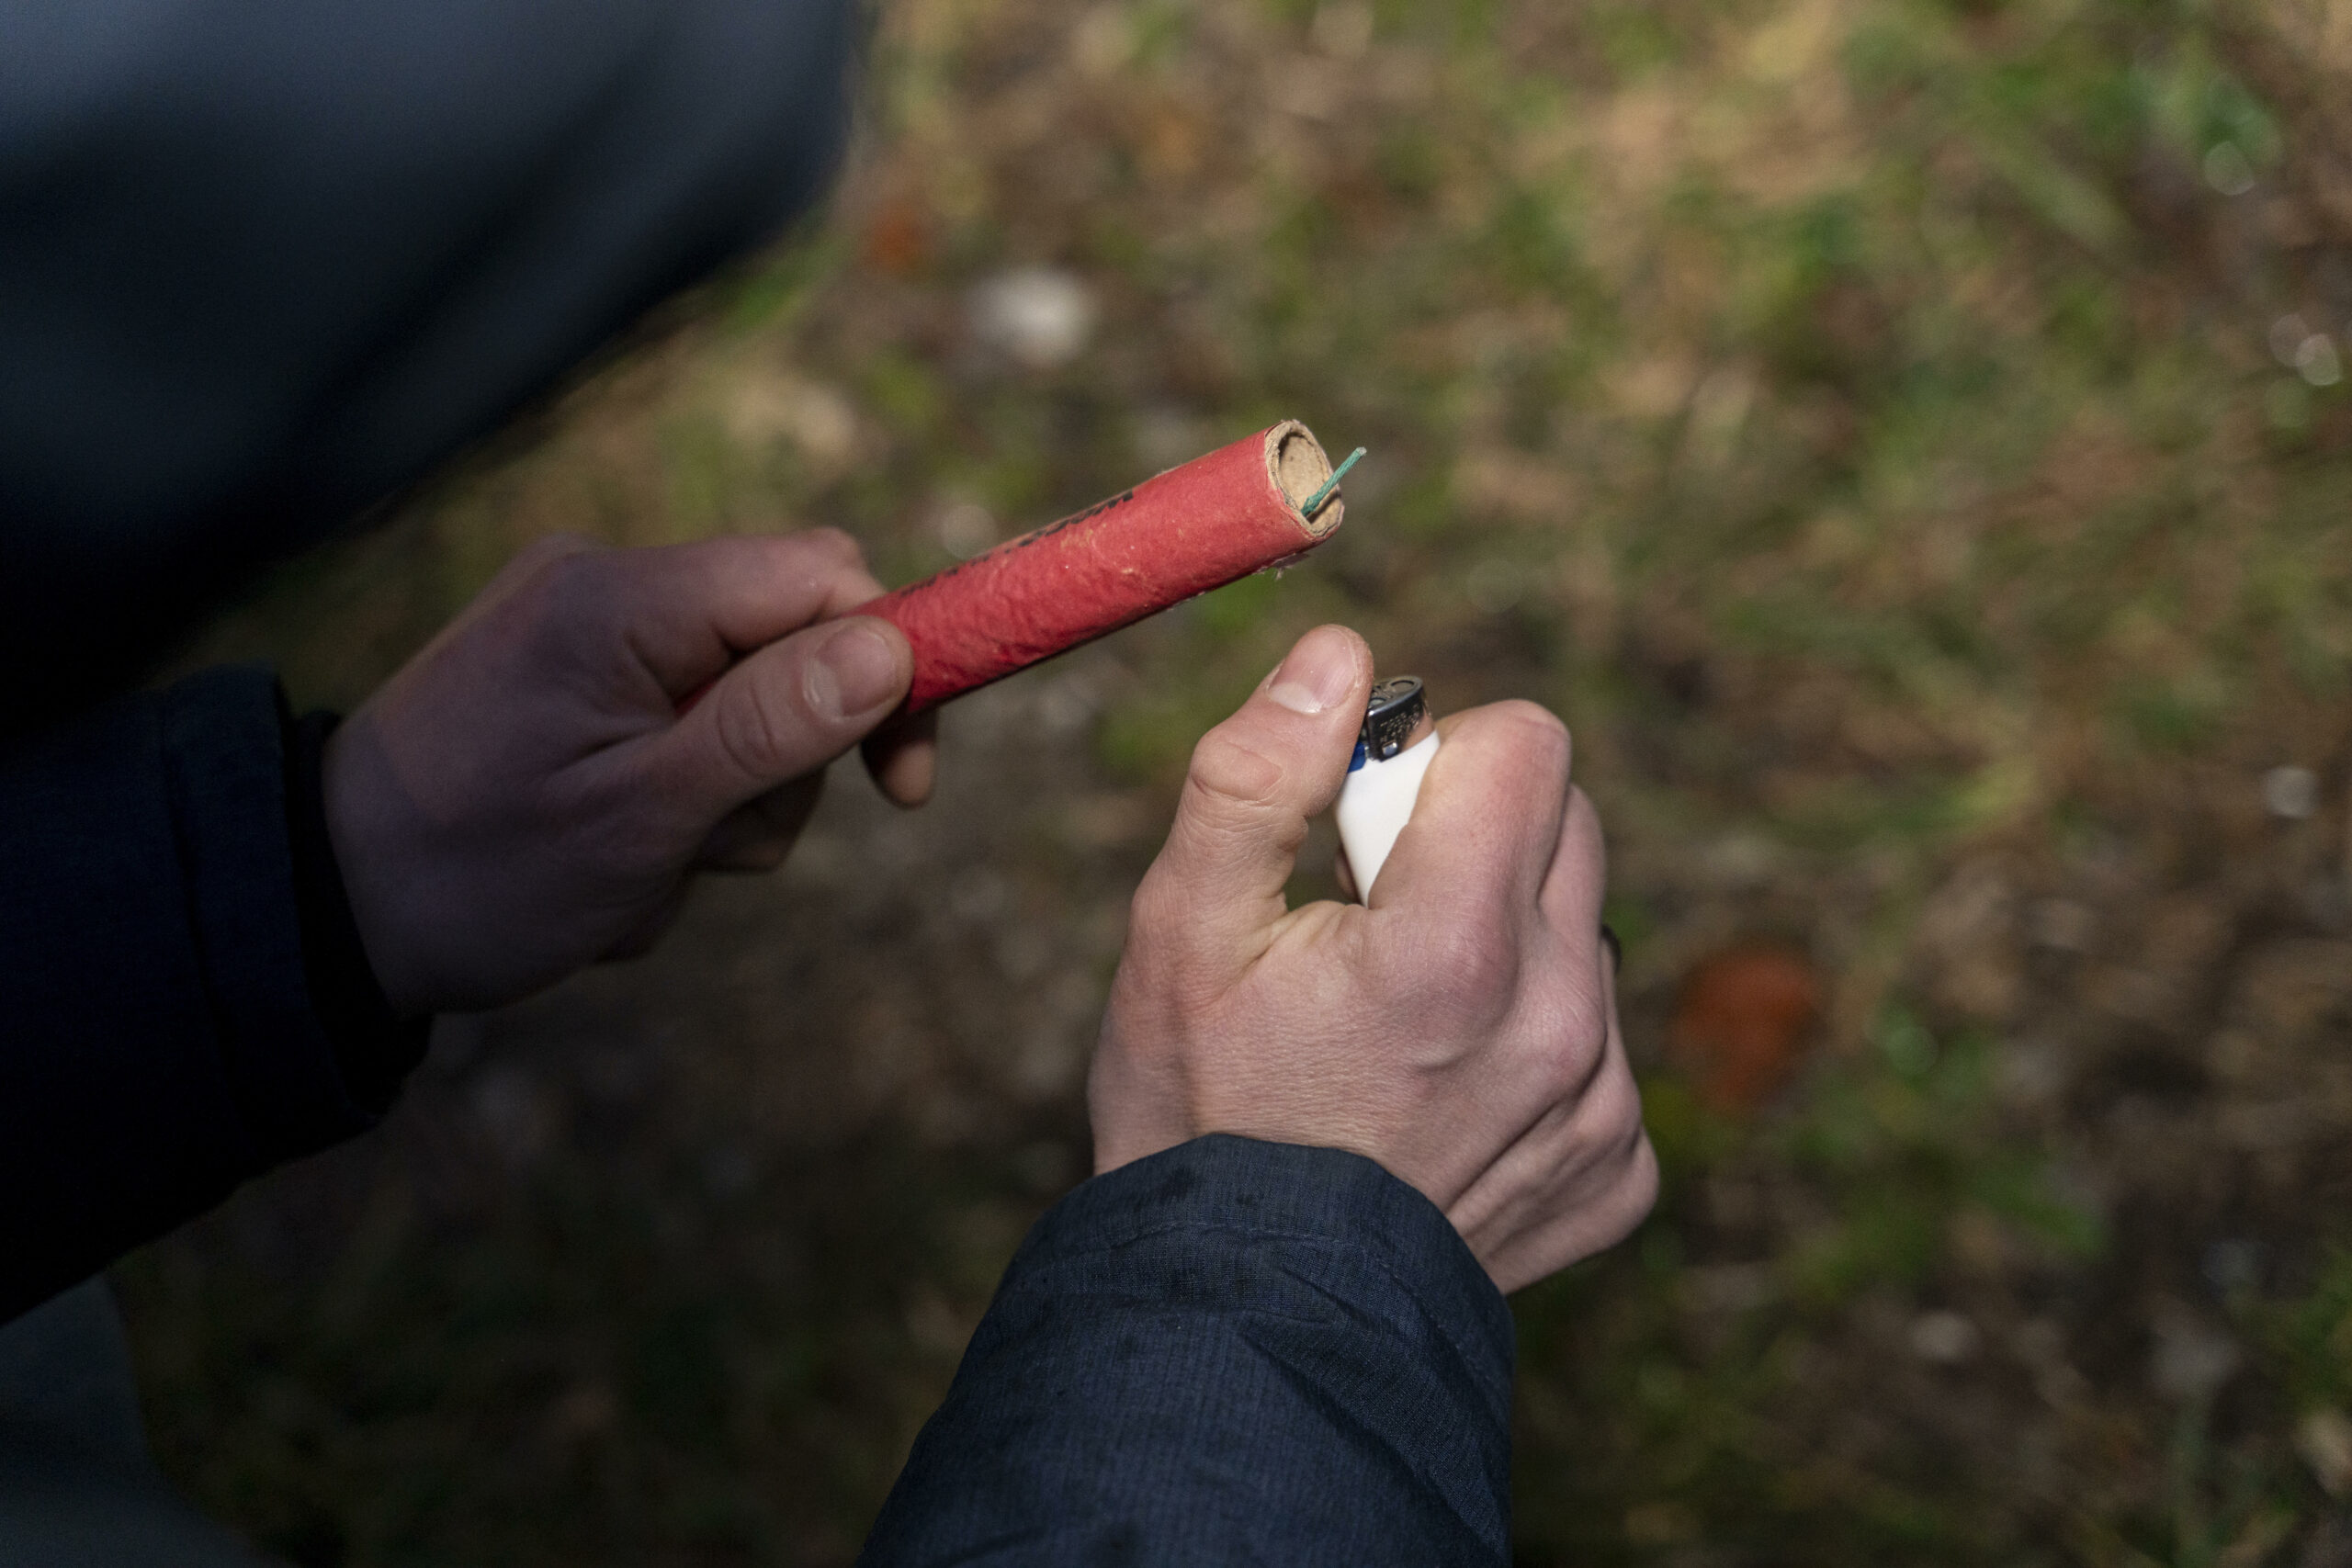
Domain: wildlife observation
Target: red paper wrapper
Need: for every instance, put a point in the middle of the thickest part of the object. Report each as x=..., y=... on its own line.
x=1190, y=529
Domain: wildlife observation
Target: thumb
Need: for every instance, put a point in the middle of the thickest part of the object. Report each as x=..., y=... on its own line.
x=1254, y=782
x=784, y=712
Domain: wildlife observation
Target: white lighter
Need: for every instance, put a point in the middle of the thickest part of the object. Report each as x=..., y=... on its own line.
x=1384, y=777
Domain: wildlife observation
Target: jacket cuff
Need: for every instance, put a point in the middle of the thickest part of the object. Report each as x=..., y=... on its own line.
x=1366, y=1226
x=312, y=1049
x=164, y=1034
x=1231, y=1351
x=224, y=781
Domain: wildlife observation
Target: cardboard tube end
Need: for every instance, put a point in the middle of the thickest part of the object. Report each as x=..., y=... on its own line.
x=1297, y=464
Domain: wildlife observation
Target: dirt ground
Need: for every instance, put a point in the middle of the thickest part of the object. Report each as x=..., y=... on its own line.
x=1908, y=443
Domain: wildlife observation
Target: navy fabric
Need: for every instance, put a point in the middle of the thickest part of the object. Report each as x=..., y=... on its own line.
x=1232, y=1352
x=161, y=1041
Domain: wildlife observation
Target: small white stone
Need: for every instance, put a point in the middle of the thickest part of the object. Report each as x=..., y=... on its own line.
x=965, y=528
x=814, y=417
x=2227, y=171
x=1944, y=1338
x=2191, y=1361
x=2291, y=793
x=1719, y=409
x=2324, y=1439
x=1039, y=317
x=2287, y=334
x=2317, y=360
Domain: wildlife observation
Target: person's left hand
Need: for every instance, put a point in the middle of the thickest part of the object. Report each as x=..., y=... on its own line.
x=525, y=797
x=1460, y=1029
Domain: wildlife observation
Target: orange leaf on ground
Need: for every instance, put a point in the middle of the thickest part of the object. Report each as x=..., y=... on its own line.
x=1742, y=1022
x=896, y=240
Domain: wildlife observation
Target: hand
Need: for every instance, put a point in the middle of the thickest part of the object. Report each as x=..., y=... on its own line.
x=523, y=797
x=1460, y=1029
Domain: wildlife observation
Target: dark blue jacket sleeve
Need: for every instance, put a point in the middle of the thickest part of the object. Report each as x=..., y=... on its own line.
x=166, y=1031
x=1232, y=1352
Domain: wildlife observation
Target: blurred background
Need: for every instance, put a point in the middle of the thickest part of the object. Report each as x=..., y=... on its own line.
x=1909, y=443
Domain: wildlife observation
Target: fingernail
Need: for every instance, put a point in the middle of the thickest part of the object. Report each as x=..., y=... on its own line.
x=1319, y=672
x=854, y=671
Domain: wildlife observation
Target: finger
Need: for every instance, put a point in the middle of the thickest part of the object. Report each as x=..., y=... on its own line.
x=689, y=611
x=1487, y=825
x=1595, y=1203
x=1575, y=1182
x=759, y=834
x=786, y=711
x=1577, y=881
x=1254, y=782
x=903, y=758
x=1591, y=1224
x=1618, y=1190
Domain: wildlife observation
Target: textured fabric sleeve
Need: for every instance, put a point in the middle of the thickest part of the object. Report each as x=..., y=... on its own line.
x=159, y=1040
x=1232, y=1352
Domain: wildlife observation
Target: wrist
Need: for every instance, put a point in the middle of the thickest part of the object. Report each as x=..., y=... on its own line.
x=376, y=1042
x=352, y=800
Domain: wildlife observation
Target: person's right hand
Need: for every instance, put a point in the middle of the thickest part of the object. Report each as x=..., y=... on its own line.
x=1460, y=1029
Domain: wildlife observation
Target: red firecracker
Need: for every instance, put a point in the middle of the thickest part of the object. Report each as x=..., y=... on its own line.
x=1239, y=510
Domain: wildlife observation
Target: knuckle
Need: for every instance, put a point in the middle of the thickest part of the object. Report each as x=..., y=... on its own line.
x=1635, y=1192
x=756, y=724
x=1227, y=773
x=1158, y=912
x=1614, y=1104
x=825, y=559
x=1535, y=730
x=1565, y=1074
x=1144, y=907
x=1575, y=1058
x=1470, y=965
x=827, y=544
x=1148, y=910
x=1159, y=959
x=1584, y=1011
x=1641, y=1178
